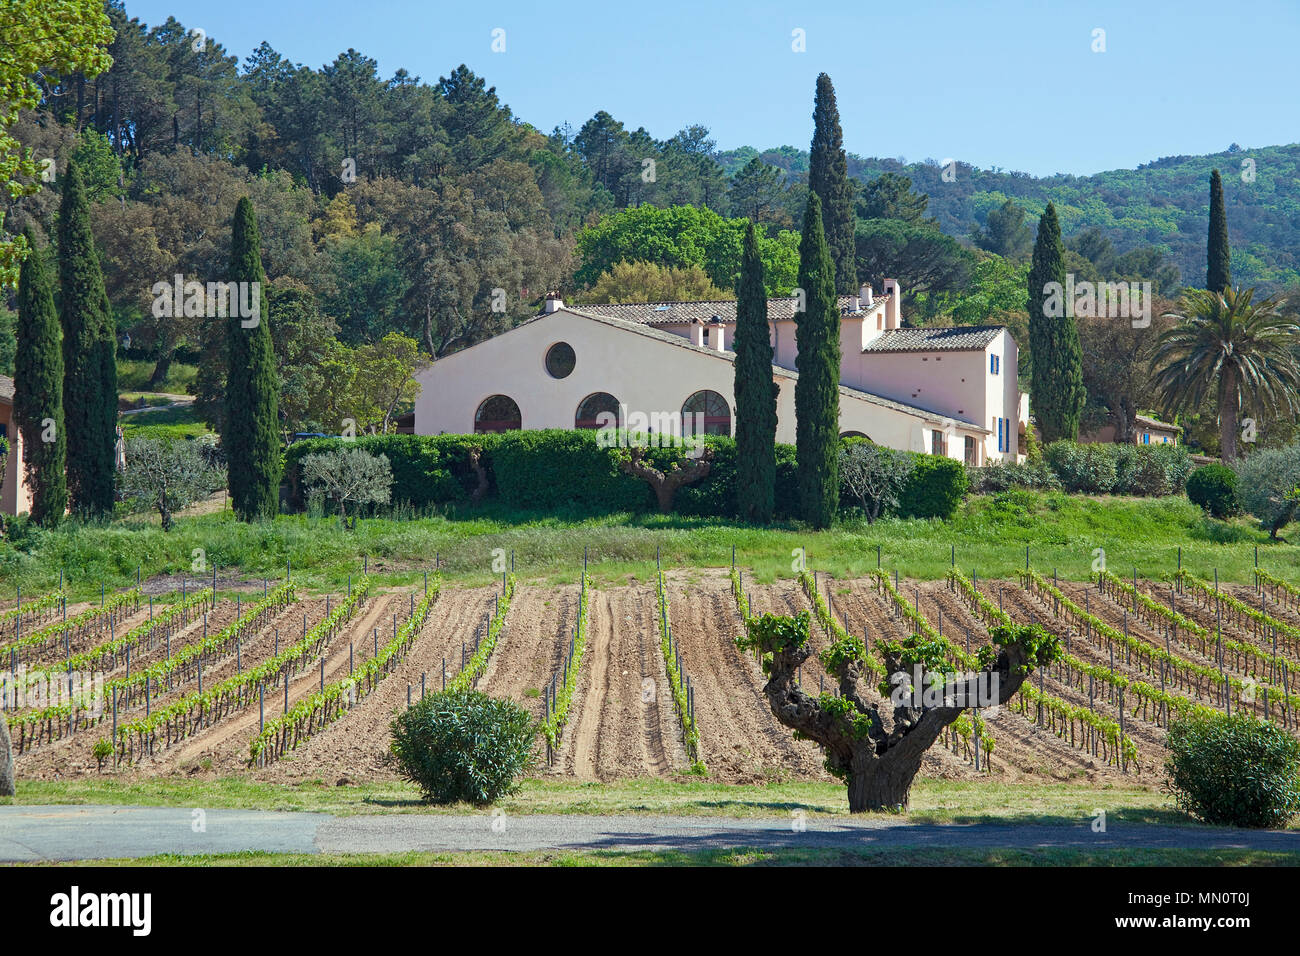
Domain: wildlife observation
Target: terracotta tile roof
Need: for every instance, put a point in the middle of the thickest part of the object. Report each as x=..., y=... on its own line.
x=957, y=339
x=682, y=342
x=683, y=313
x=1157, y=423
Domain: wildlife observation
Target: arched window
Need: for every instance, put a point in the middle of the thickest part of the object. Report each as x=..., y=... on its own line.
x=714, y=408
x=591, y=408
x=498, y=413
x=560, y=360
x=855, y=435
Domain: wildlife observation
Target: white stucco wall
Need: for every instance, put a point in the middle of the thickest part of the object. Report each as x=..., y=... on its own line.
x=643, y=372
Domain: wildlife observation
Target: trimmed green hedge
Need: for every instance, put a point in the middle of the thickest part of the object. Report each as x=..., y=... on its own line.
x=567, y=470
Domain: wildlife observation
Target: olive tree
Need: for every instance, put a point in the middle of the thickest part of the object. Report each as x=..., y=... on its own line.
x=874, y=476
x=876, y=748
x=349, y=476
x=1268, y=486
x=168, y=477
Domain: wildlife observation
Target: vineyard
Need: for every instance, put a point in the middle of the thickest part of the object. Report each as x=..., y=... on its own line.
x=638, y=679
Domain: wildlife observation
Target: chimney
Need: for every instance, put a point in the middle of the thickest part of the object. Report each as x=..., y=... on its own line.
x=553, y=302
x=720, y=332
x=893, y=305
x=855, y=304
x=865, y=294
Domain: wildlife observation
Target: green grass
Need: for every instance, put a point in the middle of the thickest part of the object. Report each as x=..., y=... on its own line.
x=168, y=423
x=873, y=856
x=933, y=801
x=989, y=535
x=133, y=376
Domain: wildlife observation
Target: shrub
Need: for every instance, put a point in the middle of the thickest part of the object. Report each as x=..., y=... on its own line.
x=873, y=476
x=1150, y=470
x=1267, y=485
x=1009, y=475
x=1234, y=771
x=935, y=487
x=463, y=746
x=1083, y=469
x=1214, y=488
x=349, y=476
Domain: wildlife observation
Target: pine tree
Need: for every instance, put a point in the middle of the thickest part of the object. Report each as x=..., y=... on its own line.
x=38, y=389
x=817, y=392
x=1218, y=275
x=250, y=430
x=755, y=391
x=89, y=356
x=828, y=177
x=1056, y=392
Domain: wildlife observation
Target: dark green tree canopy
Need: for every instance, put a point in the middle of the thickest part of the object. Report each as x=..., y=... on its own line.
x=816, y=393
x=755, y=390
x=828, y=178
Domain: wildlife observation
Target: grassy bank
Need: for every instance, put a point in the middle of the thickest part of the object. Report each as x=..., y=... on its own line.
x=989, y=536
x=933, y=801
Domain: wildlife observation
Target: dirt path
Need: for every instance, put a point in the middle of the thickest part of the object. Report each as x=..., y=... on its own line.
x=621, y=729
x=740, y=740
x=355, y=747
x=533, y=646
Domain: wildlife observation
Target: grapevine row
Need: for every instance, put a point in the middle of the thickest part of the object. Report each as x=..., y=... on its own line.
x=1291, y=595
x=65, y=629
x=1246, y=655
x=478, y=661
x=48, y=722
x=200, y=709
x=1179, y=668
x=672, y=663
x=312, y=714
x=1260, y=621
x=557, y=707
x=1115, y=744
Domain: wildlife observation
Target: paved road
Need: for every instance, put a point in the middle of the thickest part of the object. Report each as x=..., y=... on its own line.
x=95, y=832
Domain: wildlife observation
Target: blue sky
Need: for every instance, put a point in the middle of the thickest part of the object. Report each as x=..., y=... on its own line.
x=918, y=79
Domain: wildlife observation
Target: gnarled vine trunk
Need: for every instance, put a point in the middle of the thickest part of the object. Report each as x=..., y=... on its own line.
x=878, y=764
x=665, y=484
x=6, y=761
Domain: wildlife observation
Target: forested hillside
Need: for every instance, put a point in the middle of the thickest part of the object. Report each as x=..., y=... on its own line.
x=401, y=213
x=1163, y=203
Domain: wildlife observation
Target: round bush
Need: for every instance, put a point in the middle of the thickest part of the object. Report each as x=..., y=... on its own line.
x=463, y=746
x=1214, y=488
x=1234, y=771
x=1083, y=469
x=934, y=489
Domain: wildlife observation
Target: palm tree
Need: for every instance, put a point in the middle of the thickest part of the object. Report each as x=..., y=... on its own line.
x=1242, y=348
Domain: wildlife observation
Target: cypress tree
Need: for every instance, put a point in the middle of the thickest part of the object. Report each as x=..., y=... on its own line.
x=755, y=391
x=816, y=393
x=250, y=430
x=89, y=356
x=828, y=177
x=1056, y=391
x=38, y=389
x=1218, y=275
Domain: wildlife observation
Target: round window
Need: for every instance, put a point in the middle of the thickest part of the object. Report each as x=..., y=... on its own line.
x=560, y=360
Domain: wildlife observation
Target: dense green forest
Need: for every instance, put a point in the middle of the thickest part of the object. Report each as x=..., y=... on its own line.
x=400, y=213
x=1162, y=203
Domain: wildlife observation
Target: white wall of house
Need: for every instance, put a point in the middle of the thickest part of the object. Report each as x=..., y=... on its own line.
x=642, y=371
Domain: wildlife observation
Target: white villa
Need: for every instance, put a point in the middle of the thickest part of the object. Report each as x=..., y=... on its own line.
x=944, y=391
